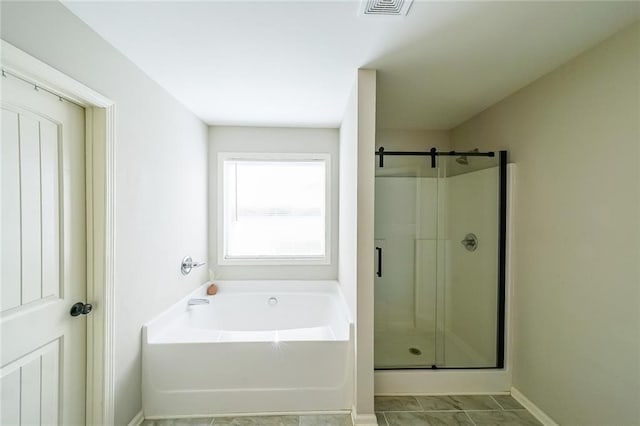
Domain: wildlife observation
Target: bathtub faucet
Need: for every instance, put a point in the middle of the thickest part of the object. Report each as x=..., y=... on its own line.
x=198, y=302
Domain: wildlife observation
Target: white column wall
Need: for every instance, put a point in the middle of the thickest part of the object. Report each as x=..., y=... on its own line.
x=366, y=94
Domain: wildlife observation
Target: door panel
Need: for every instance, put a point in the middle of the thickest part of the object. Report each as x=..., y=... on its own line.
x=405, y=296
x=36, y=377
x=43, y=250
x=10, y=413
x=30, y=213
x=50, y=206
x=11, y=269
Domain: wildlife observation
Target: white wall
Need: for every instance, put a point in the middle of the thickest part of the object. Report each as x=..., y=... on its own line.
x=413, y=139
x=366, y=125
x=347, y=250
x=357, y=144
x=272, y=140
x=575, y=137
x=161, y=151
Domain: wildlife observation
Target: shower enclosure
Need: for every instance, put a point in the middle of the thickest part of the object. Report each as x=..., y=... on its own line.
x=440, y=225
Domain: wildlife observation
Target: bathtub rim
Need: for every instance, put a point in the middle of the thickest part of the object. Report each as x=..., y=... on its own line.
x=329, y=287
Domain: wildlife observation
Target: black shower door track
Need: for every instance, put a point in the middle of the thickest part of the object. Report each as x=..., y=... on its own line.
x=433, y=153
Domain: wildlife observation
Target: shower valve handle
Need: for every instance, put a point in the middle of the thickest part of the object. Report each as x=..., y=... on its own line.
x=470, y=242
x=188, y=264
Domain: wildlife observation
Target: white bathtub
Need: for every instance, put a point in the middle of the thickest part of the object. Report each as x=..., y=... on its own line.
x=246, y=353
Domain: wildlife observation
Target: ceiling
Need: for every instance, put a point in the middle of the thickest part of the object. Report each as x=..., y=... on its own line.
x=293, y=63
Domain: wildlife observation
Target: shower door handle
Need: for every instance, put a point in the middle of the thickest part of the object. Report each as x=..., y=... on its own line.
x=379, y=271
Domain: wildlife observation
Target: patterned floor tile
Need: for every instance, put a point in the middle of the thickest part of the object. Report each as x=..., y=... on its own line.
x=437, y=403
x=204, y=421
x=504, y=418
x=382, y=420
x=406, y=419
x=257, y=421
x=442, y=418
x=507, y=402
x=396, y=403
x=326, y=420
x=457, y=410
x=474, y=402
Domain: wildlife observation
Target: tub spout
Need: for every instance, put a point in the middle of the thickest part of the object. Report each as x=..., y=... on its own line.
x=198, y=302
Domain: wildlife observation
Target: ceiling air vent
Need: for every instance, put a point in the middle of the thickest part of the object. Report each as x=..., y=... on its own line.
x=385, y=7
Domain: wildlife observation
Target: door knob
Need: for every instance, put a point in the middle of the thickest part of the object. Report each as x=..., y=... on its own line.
x=80, y=309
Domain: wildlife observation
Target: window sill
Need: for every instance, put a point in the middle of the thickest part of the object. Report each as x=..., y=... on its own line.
x=256, y=261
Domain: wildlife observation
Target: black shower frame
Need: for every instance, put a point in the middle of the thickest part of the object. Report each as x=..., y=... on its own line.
x=433, y=153
x=502, y=246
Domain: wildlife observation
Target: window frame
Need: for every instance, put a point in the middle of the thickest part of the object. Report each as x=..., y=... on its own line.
x=223, y=260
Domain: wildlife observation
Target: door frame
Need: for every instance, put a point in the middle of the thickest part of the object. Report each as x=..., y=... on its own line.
x=100, y=210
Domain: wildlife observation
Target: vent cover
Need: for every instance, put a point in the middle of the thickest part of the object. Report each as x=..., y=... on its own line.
x=385, y=7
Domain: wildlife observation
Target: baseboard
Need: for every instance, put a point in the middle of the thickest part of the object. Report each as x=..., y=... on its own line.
x=363, y=419
x=245, y=414
x=137, y=419
x=533, y=408
x=441, y=382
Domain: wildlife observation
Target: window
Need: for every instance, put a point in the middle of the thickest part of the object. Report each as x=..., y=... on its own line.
x=274, y=209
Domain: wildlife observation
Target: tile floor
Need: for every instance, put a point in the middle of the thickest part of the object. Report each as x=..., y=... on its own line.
x=472, y=410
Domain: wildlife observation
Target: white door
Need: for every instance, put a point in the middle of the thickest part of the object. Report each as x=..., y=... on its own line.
x=43, y=257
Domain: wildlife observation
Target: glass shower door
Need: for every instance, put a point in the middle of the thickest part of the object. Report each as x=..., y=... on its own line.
x=469, y=254
x=405, y=258
x=439, y=281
